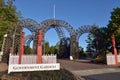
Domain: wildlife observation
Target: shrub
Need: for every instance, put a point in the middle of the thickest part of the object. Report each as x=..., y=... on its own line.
x=99, y=60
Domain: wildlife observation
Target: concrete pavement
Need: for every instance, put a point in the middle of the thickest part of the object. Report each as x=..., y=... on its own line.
x=96, y=71
x=99, y=74
x=89, y=71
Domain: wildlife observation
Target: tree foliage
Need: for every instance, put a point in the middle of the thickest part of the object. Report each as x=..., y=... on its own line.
x=50, y=49
x=102, y=42
x=97, y=42
x=1, y=3
x=114, y=24
x=28, y=50
x=8, y=16
x=47, y=48
x=91, y=43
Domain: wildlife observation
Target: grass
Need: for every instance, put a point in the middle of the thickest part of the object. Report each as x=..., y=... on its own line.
x=61, y=74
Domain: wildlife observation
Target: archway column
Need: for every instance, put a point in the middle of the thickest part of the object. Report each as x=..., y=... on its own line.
x=39, y=47
x=6, y=48
x=73, y=47
x=114, y=48
x=35, y=45
x=21, y=47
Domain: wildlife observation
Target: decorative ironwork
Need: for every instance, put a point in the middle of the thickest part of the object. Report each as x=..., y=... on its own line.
x=60, y=32
x=45, y=26
x=85, y=29
x=56, y=23
x=31, y=25
x=14, y=34
x=28, y=39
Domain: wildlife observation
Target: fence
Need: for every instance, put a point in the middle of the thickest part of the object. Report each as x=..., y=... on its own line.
x=111, y=59
x=49, y=59
x=31, y=59
x=119, y=58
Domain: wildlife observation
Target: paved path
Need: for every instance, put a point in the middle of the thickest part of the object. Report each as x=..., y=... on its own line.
x=92, y=71
x=99, y=74
x=86, y=69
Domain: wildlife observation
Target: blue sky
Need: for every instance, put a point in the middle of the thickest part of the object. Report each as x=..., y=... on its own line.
x=75, y=12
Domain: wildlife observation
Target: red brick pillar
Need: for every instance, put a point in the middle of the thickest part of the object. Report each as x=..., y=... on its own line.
x=21, y=47
x=114, y=48
x=39, y=47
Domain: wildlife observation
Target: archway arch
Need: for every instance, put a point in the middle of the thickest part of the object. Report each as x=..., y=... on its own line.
x=29, y=39
x=58, y=23
x=83, y=41
x=14, y=35
x=93, y=29
x=33, y=27
x=45, y=26
x=85, y=29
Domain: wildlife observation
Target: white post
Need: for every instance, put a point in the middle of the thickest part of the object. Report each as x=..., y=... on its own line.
x=1, y=53
x=71, y=58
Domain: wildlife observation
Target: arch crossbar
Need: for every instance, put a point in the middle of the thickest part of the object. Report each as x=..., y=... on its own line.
x=58, y=23
x=85, y=29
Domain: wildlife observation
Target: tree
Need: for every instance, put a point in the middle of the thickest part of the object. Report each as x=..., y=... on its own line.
x=27, y=50
x=64, y=48
x=8, y=16
x=97, y=41
x=81, y=52
x=52, y=50
x=114, y=25
x=1, y=3
x=47, y=48
x=91, y=43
